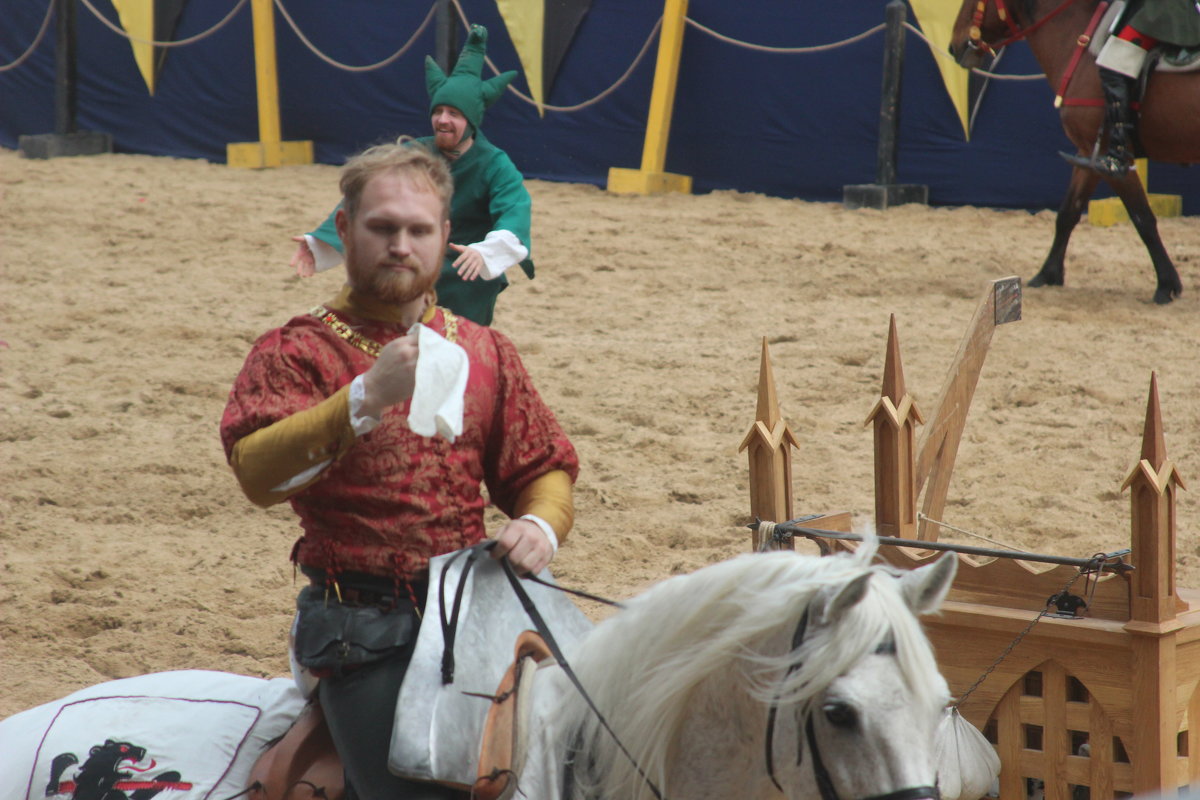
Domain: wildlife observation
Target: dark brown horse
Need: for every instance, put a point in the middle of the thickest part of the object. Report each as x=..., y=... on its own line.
x=1169, y=127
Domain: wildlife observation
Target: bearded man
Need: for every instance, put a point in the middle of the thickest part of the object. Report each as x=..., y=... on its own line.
x=320, y=416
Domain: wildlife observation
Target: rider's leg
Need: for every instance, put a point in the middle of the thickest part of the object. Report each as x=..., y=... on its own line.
x=1120, y=62
x=360, y=709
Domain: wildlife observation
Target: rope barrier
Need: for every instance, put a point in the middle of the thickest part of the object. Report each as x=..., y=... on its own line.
x=117, y=29
x=785, y=50
x=462, y=15
x=347, y=67
x=467, y=25
x=41, y=34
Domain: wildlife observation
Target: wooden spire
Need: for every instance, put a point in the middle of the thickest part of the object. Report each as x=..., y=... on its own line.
x=895, y=418
x=1152, y=484
x=1154, y=445
x=768, y=400
x=893, y=370
x=770, y=459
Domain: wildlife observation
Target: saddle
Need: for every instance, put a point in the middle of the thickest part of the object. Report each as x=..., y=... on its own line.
x=304, y=764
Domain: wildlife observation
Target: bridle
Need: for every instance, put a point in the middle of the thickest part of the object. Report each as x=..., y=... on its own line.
x=820, y=772
x=1016, y=32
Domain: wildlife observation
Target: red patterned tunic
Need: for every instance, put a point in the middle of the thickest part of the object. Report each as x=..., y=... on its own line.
x=395, y=499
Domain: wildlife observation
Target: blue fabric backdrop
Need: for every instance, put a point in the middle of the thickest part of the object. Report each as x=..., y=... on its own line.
x=801, y=125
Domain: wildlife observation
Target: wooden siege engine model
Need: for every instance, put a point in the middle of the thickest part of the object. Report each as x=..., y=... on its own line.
x=1105, y=704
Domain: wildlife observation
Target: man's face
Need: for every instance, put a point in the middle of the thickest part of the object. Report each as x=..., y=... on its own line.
x=396, y=240
x=449, y=127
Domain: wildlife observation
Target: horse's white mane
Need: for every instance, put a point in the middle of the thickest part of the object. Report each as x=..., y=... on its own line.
x=643, y=665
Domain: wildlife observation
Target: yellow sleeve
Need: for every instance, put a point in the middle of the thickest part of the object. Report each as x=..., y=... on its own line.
x=549, y=497
x=271, y=456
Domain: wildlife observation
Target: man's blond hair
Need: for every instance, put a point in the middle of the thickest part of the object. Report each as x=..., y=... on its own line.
x=406, y=156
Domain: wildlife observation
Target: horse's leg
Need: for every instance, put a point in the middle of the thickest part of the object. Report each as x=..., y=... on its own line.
x=1083, y=183
x=1129, y=188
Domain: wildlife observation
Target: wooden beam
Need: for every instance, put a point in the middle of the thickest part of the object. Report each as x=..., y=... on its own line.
x=937, y=447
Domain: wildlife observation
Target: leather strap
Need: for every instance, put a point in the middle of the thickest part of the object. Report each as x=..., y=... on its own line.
x=540, y=625
x=1081, y=45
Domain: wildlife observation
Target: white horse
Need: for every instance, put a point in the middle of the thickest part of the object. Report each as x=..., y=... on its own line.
x=765, y=674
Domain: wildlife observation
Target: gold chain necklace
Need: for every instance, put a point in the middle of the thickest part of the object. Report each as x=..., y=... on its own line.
x=366, y=344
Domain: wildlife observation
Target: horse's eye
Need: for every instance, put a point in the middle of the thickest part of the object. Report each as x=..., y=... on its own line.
x=840, y=715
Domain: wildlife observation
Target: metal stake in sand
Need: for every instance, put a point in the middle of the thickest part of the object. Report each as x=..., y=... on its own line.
x=885, y=191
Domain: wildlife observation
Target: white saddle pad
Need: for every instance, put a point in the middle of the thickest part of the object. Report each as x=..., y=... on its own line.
x=190, y=734
x=439, y=727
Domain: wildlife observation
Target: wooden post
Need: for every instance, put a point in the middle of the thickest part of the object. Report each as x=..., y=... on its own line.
x=652, y=177
x=895, y=418
x=937, y=448
x=270, y=150
x=1154, y=609
x=770, y=458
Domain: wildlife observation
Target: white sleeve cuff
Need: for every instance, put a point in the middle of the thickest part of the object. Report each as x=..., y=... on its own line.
x=500, y=250
x=302, y=478
x=325, y=256
x=546, y=529
x=361, y=423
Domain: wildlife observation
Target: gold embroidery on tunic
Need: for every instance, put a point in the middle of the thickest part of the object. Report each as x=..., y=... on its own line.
x=367, y=344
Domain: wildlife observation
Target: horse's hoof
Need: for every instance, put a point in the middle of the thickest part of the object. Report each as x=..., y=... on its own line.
x=1164, y=296
x=1041, y=279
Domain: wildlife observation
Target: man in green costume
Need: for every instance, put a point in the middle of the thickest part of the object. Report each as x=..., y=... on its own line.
x=490, y=209
x=1147, y=24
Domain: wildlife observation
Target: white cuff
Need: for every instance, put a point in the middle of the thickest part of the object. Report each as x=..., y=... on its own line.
x=546, y=529
x=361, y=423
x=325, y=255
x=500, y=250
x=302, y=478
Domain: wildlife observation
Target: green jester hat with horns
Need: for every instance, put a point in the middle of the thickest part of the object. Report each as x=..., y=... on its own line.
x=463, y=88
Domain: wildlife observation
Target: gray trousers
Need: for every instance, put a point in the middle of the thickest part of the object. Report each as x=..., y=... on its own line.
x=360, y=710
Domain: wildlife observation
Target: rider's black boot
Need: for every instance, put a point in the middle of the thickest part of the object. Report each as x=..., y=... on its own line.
x=1118, y=124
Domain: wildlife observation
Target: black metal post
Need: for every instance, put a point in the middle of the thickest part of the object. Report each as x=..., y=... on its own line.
x=67, y=139
x=885, y=191
x=889, y=107
x=446, y=39
x=64, y=67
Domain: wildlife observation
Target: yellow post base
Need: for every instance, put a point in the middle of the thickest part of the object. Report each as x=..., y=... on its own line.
x=256, y=155
x=1111, y=210
x=637, y=181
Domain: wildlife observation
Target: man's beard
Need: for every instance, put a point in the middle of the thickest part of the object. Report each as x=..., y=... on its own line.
x=389, y=286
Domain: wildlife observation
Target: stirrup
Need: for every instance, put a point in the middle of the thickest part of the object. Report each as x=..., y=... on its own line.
x=1107, y=165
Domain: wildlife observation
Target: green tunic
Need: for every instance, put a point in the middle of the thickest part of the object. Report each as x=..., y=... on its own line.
x=1174, y=22
x=489, y=195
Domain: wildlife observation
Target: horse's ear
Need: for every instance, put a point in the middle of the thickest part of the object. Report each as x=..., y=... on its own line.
x=831, y=602
x=925, y=588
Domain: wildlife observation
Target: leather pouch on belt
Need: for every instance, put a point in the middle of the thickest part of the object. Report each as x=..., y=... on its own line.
x=334, y=637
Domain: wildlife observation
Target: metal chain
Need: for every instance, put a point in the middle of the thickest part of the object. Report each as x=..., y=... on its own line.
x=1012, y=645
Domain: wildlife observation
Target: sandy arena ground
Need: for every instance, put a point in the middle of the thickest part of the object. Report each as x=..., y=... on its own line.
x=131, y=288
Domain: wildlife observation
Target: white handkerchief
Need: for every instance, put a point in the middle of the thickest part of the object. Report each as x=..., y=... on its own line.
x=441, y=381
